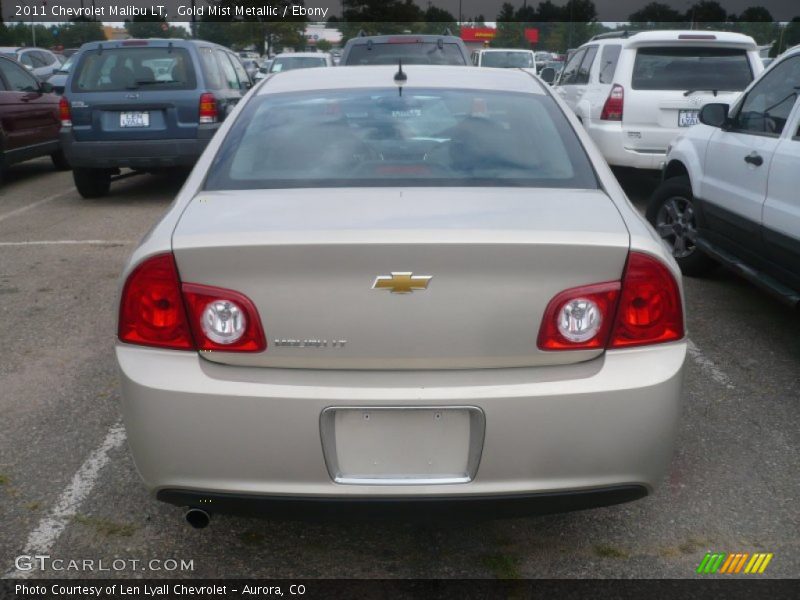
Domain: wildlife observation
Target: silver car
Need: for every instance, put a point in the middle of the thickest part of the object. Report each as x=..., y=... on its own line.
x=39, y=61
x=418, y=288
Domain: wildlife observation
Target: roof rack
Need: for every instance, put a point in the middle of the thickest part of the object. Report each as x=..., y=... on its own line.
x=613, y=34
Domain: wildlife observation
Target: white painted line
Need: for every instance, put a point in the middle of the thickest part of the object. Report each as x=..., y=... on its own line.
x=708, y=365
x=69, y=243
x=33, y=205
x=43, y=538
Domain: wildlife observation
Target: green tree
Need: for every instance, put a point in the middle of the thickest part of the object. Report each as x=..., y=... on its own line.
x=789, y=36
x=78, y=32
x=655, y=16
x=438, y=20
x=757, y=22
x=708, y=12
x=324, y=45
x=375, y=17
x=147, y=26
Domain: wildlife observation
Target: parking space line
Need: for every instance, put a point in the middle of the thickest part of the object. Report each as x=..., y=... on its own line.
x=43, y=538
x=69, y=243
x=708, y=365
x=33, y=205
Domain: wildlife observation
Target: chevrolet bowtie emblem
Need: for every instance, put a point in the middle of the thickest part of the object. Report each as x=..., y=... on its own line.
x=401, y=282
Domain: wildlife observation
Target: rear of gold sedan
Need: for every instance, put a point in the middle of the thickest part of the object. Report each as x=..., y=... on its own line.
x=444, y=300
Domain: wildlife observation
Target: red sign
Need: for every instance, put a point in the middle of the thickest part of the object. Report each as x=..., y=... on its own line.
x=532, y=35
x=478, y=34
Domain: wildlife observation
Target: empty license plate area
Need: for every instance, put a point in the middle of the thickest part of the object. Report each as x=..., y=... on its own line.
x=402, y=445
x=687, y=118
x=134, y=119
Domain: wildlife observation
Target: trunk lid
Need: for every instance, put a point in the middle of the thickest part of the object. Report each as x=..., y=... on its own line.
x=308, y=259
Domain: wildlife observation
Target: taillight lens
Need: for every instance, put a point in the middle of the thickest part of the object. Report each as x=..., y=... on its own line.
x=613, y=108
x=579, y=318
x=223, y=320
x=208, y=108
x=650, y=309
x=64, y=112
x=645, y=308
x=151, y=310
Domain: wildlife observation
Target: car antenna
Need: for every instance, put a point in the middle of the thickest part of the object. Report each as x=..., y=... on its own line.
x=400, y=77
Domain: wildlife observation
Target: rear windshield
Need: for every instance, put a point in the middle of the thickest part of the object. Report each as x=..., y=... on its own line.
x=117, y=69
x=379, y=138
x=412, y=53
x=507, y=60
x=691, y=69
x=296, y=62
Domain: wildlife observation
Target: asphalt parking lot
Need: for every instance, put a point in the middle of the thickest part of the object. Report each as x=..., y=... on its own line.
x=68, y=487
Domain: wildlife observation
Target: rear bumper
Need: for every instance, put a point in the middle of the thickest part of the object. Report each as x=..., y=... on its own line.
x=204, y=428
x=473, y=507
x=136, y=154
x=610, y=139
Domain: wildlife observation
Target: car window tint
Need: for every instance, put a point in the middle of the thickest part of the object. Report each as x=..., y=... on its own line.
x=288, y=63
x=424, y=137
x=117, y=69
x=412, y=53
x=26, y=59
x=241, y=74
x=211, y=70
x=508, y=60
x=18, y=79
x=691, y=68
x=45, y=58
x=586, y=66
x=229, y=78
x=608, y=62
x=768, y=104
x=571, y=70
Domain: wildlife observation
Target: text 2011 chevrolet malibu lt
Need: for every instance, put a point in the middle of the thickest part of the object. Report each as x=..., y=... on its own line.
x=420, y=287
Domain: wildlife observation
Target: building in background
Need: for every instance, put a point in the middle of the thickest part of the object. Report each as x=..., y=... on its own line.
x=315, y=32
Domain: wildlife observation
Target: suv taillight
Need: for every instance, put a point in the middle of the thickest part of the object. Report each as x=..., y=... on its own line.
x=612, y=109
x=153, y=312
x=64, y=112
x=644, y=308
x=208, y=108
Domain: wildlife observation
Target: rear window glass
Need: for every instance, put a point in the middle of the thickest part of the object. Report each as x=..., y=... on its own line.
x=508, y=60
x=691, y=68
x=422, y=138
x=289, y=63
x=117, y=69
x=416, y=53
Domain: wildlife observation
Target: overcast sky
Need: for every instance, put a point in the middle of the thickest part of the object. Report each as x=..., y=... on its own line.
x=608, y=10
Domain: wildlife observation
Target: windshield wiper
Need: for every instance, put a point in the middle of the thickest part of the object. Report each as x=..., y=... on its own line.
x=690, y=92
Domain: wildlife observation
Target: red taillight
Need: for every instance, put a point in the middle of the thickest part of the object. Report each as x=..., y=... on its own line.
x=241, y=329
x=151, y=310
x=645, y=308
x=64, y=112
x=208, y=108
x=612, y=109
x=650, y=309
x=602, y=295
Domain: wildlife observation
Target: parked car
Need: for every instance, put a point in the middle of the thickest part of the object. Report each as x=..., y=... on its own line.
x=504, y=58
x=635, y=92
x=59, y=78
x=119, y=110
x=29, y=119
x=508, y=332
x=411, y=48
x=730, y=190
x=287, y=61
x=39, y=61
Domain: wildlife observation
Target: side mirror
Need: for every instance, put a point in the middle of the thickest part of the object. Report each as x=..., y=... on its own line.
x=45, y=87
x=548, y=75
x=714, y=115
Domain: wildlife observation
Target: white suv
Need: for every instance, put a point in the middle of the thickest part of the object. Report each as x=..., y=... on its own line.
x=730, y=190
x=634, y=92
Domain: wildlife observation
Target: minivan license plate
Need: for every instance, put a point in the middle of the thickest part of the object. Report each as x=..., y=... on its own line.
x=134, y=119
x=687, y=118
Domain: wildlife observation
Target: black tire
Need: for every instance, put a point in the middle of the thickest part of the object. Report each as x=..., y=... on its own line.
x=59, y=160
x=92, y=183
x=670, y=211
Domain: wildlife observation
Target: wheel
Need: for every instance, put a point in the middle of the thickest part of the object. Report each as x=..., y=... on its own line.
x=92, y=183
x=671, y=211
x=59, y=160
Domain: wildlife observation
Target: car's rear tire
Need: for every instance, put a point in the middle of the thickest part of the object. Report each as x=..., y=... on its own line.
x=92, y=183
x=60, y=161
x=670, y=211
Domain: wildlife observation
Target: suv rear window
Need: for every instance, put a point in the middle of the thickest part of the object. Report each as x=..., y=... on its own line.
x=426, y=137
x=288, y=63
x=507, y=60
x=692, y=68
x=412, y=53
x=118, y=69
